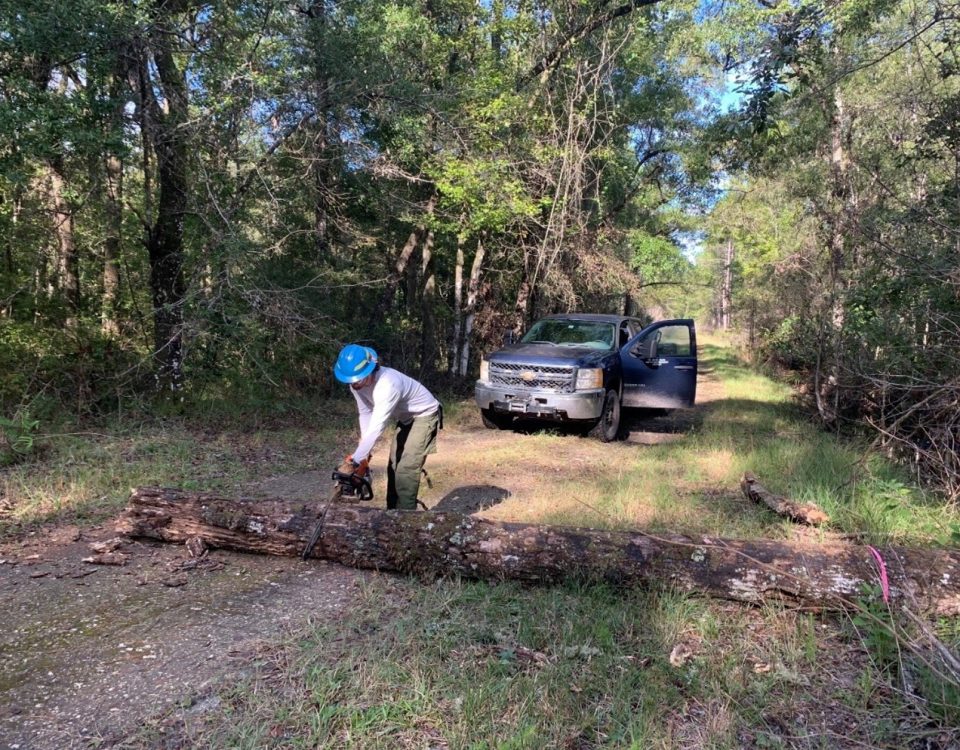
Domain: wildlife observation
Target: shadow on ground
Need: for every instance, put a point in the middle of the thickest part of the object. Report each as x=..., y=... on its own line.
x=471, y=498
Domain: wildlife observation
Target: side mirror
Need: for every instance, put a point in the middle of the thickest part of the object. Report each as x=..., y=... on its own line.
x=509, y=337
x=646, y=349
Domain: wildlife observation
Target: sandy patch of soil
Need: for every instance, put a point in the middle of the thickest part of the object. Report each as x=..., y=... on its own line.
x=90, y=651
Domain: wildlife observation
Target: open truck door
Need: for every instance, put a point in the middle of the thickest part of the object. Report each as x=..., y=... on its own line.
x=660, y=366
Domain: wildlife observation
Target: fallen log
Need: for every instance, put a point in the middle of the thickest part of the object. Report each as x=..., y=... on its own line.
x=442, y=543
x=807, y=513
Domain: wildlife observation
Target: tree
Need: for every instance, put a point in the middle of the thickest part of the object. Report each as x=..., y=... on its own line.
x=848, y=116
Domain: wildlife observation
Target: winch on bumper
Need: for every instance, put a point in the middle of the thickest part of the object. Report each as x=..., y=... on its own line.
x=540, y=404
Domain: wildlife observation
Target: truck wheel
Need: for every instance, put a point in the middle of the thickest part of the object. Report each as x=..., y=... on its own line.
x=607, y=427
x=495, y=421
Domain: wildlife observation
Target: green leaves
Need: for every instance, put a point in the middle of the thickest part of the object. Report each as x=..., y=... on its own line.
x=657, y=259
x=18, y=435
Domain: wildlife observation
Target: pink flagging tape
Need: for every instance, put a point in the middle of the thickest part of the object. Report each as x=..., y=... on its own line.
x=884, y=581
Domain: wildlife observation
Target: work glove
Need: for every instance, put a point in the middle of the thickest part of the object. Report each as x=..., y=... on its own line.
x=349, y=466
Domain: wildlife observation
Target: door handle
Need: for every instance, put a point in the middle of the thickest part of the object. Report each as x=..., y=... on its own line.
x=683, y=367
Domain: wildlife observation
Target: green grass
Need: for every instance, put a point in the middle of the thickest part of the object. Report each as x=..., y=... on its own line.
x=469, y=665
x=86, y=477
x=692, y=484
x=757, y=426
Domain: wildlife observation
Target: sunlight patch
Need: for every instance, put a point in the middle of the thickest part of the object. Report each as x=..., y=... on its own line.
x=716, y=465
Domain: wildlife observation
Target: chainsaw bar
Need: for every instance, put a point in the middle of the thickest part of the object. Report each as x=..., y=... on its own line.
x=348, y=488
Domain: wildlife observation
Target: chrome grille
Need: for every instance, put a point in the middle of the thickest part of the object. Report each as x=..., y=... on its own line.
x=533, y=377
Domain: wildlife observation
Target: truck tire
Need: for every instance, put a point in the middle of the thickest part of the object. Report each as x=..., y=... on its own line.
x=494, y=420
x=607, y=428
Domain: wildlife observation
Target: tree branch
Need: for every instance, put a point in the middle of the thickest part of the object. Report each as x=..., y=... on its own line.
x=553, y=57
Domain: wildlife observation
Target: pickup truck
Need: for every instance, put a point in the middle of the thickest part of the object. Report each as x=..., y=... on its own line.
x=583, y=368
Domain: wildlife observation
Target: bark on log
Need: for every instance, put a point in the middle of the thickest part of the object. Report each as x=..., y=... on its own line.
x=807, y=513
x=440, y=543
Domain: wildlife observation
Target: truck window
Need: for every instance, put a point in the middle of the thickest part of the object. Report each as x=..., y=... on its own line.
x=674, y=341
x=595, y=335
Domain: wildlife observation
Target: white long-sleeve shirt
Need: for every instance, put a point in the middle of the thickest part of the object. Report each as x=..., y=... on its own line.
x=392, y=396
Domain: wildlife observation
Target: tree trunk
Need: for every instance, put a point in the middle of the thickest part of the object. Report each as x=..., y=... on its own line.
x=726, y=296
x=456, y=333
x=323, y=165
x=171, y=145
x=753, y=571
x=113, y=183
x=521, y=308
x=428, y=302
x=112, y=245
x=470, y=312
x=831, y=364
x=400, y=266
x=68, y=263
x=8, y=247
x=41, y=282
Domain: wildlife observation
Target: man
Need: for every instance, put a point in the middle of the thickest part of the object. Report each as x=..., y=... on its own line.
x=386, y=396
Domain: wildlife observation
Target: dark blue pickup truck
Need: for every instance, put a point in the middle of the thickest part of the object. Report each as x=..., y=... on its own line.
x=583, y=368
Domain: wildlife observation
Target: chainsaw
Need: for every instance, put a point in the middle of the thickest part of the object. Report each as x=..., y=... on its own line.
x=349, y=487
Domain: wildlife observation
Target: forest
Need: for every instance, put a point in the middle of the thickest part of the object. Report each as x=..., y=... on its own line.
x=205, y=200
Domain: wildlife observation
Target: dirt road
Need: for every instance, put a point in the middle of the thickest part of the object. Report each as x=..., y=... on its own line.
x=89, y=652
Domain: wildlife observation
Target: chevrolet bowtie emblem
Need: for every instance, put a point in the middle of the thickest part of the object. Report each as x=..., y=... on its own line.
x=528, y=375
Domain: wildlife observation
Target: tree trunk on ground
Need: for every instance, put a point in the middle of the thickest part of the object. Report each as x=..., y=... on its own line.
x=807, y=513
x=751, y=571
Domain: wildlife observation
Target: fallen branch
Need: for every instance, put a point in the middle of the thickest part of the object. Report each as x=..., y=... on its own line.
x=807, y=513
x=753, y=571
x=107, y=558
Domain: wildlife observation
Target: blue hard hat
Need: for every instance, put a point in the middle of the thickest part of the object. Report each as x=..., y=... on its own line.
x=354, y=363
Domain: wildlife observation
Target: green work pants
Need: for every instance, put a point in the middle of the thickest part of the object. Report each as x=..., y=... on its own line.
x=412, y=443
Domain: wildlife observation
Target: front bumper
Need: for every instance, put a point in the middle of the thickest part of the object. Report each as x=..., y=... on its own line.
x=540, y=404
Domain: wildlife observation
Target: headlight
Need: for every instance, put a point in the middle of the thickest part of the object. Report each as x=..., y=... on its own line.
x=484, y=370
x=588, y=378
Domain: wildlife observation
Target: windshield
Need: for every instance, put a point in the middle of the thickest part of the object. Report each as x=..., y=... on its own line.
x=571, y=333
